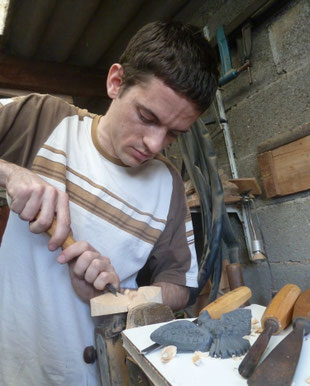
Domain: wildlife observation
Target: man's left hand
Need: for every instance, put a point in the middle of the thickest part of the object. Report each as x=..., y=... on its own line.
x=90, y=271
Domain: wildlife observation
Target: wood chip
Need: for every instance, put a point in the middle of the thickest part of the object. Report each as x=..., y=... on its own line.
x=168, y=353
x=197, y=357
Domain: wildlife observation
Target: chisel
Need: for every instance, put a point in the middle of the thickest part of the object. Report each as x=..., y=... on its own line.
x=279, y=367
x=225, y=303
x=69, y=241
x=277, y=316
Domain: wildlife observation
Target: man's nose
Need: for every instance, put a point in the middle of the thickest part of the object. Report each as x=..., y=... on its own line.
x=155, y=140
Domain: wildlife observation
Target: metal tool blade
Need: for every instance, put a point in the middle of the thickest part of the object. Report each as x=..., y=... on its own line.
x=250, y=361
x=112, y=289
x=279, y=367
x=150, y=348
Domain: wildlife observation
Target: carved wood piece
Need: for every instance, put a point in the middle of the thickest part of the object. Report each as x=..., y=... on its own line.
x=108, y=303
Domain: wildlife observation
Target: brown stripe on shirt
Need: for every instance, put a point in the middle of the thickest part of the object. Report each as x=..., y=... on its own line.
x=94, y=204
x=115, y=196
x=48, y=168
x=113, y=215
x=189, y=233
x=41, y=165
x=54, y=150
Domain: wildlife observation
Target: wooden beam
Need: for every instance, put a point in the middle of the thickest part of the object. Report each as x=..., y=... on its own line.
x=47, y=77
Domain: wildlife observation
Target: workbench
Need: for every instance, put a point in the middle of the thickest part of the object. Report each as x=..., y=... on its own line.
x=181, y=371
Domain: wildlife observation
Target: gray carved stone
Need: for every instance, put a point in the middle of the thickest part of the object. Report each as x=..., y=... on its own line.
x=185, y=335
x=223, y=338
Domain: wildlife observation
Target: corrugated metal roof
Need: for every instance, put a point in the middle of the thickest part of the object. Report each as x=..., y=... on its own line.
x=89, y=33
x=67, y=46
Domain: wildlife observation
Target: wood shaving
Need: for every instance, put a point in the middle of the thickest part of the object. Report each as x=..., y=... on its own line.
x=168, y=353
x=236, y=358
x=131, y=293
x=197, y=357
x=254, y=321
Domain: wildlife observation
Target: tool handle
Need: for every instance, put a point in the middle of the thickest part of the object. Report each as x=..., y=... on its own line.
x=228, y=302
x=235, y=277
x=281, y=307
x=51, y=230
x=302, y=306
x=69, y=240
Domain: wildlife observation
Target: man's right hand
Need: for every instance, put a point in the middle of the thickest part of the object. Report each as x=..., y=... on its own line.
x=36, y=201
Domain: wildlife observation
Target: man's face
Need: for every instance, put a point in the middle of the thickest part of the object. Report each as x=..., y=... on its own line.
x=145, y=119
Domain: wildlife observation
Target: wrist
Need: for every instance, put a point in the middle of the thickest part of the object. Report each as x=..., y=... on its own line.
x=6, y=169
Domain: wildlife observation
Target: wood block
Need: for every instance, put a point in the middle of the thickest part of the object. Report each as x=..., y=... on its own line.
x=245, y=184
x=150, y=313
x=108, y=303
x=285, y=170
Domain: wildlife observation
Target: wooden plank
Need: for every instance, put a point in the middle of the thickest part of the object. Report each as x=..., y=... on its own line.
x=247, y=184
x=45, y=77
x=266, y=165
x=292, y=165
x=285, y=170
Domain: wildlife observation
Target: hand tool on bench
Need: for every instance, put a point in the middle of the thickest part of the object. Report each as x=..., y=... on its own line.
x=279, y=367
x=277, y=316
x=69, y=241
x=226, y=303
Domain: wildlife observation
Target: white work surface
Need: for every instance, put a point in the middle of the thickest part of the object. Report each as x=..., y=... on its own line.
x=181, y=371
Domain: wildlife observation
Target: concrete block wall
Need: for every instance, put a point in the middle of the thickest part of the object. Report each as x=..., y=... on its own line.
x=277, y=101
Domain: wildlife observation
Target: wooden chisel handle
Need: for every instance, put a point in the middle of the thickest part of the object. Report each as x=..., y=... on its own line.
x=228, y=302
x=281, y=307
x=276, y=317
x=69, y=240
x=302, y=306
x=234, y=275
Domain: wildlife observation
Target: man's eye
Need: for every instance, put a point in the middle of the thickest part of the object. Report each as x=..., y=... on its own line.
x=145, y=119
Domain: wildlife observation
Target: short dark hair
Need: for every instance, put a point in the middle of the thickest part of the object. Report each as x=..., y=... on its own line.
x=176, y=53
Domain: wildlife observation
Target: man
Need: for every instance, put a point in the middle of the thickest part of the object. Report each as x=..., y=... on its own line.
x=102, y=177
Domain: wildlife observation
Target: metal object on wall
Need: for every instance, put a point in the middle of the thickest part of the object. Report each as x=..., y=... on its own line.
x=258, y=249
x=221, y=118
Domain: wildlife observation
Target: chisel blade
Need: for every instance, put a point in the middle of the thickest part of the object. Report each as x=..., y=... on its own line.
x=279, y=367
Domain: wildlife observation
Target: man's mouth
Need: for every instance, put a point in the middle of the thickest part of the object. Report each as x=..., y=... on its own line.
x=142, y=156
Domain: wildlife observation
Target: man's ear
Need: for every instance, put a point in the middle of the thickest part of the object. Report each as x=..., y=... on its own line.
x=114, y=80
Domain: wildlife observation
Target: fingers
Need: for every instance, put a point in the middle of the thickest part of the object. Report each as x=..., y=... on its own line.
x=104, y=278
x=90, y=265
x=63, y=222
x=34, y=200
x=39, y=209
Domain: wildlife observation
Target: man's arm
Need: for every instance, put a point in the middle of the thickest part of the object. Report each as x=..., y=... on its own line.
x=174, y=296
x=36, y=201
